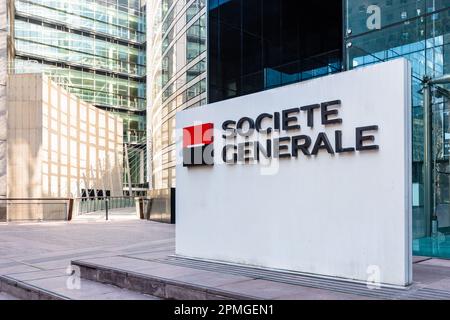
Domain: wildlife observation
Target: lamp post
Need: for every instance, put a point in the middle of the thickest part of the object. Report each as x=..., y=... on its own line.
x=428, y=83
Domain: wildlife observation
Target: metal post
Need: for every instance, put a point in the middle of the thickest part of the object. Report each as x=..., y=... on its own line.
x=427, y=157
x=430, y=214
x=141, y=208
x=429, y=169
x=106, y=208
x=70, y=210
x=127, y=166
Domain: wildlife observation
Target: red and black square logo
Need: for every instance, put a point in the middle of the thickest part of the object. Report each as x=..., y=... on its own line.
x=198, y=145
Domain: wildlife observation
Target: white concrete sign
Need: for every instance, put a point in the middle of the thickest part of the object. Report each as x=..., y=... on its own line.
x=312, y=177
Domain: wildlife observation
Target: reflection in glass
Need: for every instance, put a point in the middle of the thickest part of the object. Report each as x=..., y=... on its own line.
x=420, y=32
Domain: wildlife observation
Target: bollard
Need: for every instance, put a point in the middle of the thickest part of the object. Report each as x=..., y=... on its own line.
x=70, y=210
x=139, y=204
x=106, y=207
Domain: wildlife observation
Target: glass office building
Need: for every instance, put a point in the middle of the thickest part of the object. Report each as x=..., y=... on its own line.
x=176, y=76
x=95, y=49
x=252, y=45
x=261, y=44
x=255, y=45
x=418, y=30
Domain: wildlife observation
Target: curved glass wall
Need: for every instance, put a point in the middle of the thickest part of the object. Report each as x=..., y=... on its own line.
x=94, y=48
x=51, y=43
x=418, y=30
x=176, y=76
x=85, y=56
x=120, y=19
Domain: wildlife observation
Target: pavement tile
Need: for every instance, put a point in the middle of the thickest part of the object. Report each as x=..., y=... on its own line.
x=211, y=279
x=125, y=295
x=442, y=284
x=168, y=271
x=122, y=263
x=52, y=265
x=4, y=296
x=437, y=263
x=306, y=293
x=87, y=289
x=155, y=254
x=37, y=275
x=19, y=268
x=425, y=275
x=262, y=289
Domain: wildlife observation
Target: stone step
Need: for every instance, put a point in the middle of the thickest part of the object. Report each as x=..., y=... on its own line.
x=5, y=296
x=181, y=278
x=53, y=286
x=159, y=280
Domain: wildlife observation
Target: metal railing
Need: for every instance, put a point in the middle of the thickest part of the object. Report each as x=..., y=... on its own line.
x=58, y=209
x=94, y=204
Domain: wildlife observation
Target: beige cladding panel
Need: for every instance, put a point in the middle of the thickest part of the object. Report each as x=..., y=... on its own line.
x=23, y=145
x=58, y=144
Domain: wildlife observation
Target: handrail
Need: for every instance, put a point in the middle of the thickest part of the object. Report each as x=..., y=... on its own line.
x=103, y=197
x=37, y=199
x=67, y=199
x=72, y=203
x=99, y=203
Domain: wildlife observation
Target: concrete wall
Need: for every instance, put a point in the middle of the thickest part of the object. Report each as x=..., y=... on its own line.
x=58, y=144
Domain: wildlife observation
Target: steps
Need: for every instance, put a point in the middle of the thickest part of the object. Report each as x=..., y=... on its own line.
x=4, y=296
x=25, y=291
x=148, y=283
x=54, y=287
x=186, y=279
x=149, y=277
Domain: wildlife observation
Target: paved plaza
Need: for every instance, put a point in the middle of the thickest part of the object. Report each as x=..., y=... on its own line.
x=38, y=255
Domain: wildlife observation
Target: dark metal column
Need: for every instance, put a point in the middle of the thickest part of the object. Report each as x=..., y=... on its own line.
x=427, y=156
x=430, y=213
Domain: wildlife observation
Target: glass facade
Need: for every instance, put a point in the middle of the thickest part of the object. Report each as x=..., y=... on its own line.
x=176, y=76
x=255, y=45
x=260, y=44
x=95, y=49
x=418, y=30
